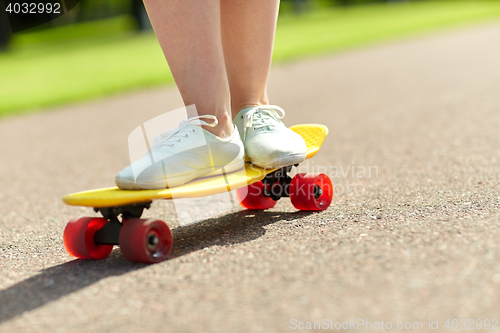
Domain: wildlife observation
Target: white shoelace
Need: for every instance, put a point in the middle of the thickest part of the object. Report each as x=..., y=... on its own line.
x=167, y=138
x=265, y=112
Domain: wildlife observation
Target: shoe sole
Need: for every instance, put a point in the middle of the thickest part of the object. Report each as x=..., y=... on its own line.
x=281, y=161
x=127, y=184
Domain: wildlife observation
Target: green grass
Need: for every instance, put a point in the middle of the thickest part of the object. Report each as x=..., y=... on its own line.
x=330, y=30
x=68, y=69
x=80, y=62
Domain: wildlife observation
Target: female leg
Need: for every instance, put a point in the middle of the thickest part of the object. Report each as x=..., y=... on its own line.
x=189, y=33
x=248, y=29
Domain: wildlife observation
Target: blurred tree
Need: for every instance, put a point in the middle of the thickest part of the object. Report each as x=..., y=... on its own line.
x=299, y=5
x=5, y=30
x=140, y=15
x=99, y=9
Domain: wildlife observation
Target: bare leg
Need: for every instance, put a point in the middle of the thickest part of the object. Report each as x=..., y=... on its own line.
x=189, y=32
x=248, y=28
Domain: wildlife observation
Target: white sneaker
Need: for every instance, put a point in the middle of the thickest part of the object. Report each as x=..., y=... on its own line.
x=268, y=142
x=183, y=154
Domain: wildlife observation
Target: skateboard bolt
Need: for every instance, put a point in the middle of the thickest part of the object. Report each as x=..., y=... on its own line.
x=318, y=191
x=152, y=240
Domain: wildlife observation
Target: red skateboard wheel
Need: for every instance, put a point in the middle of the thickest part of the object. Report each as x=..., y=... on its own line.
x=252, y=197
x=311, y=192
x=147, y=241
x=79, y=238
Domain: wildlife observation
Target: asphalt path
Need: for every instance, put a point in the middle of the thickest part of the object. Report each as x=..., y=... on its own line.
x=411, y=236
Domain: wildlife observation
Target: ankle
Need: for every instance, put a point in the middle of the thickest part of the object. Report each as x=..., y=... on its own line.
x=237, y=107
x=224, y=127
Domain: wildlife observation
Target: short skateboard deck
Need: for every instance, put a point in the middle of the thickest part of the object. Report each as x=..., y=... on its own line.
x=150, y=241
x=314, y=135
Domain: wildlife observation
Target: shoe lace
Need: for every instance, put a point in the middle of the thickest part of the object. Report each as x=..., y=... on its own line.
x=260, y=116
x=169, y=138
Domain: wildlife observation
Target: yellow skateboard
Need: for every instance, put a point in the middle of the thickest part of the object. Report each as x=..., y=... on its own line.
x=151, y=241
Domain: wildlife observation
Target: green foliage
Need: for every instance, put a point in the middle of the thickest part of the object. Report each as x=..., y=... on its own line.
x=99, y=9
x=334, y=29
x=89, y=60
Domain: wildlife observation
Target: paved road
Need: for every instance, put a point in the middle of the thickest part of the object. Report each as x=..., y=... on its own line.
x=412, y=236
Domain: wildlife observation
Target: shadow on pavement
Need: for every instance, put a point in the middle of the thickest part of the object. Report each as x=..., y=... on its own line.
x=55, y=282
x=230, y=229
x=58, y=281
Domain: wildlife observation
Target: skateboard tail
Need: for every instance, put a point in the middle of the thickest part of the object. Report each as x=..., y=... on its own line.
x=314, y=135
